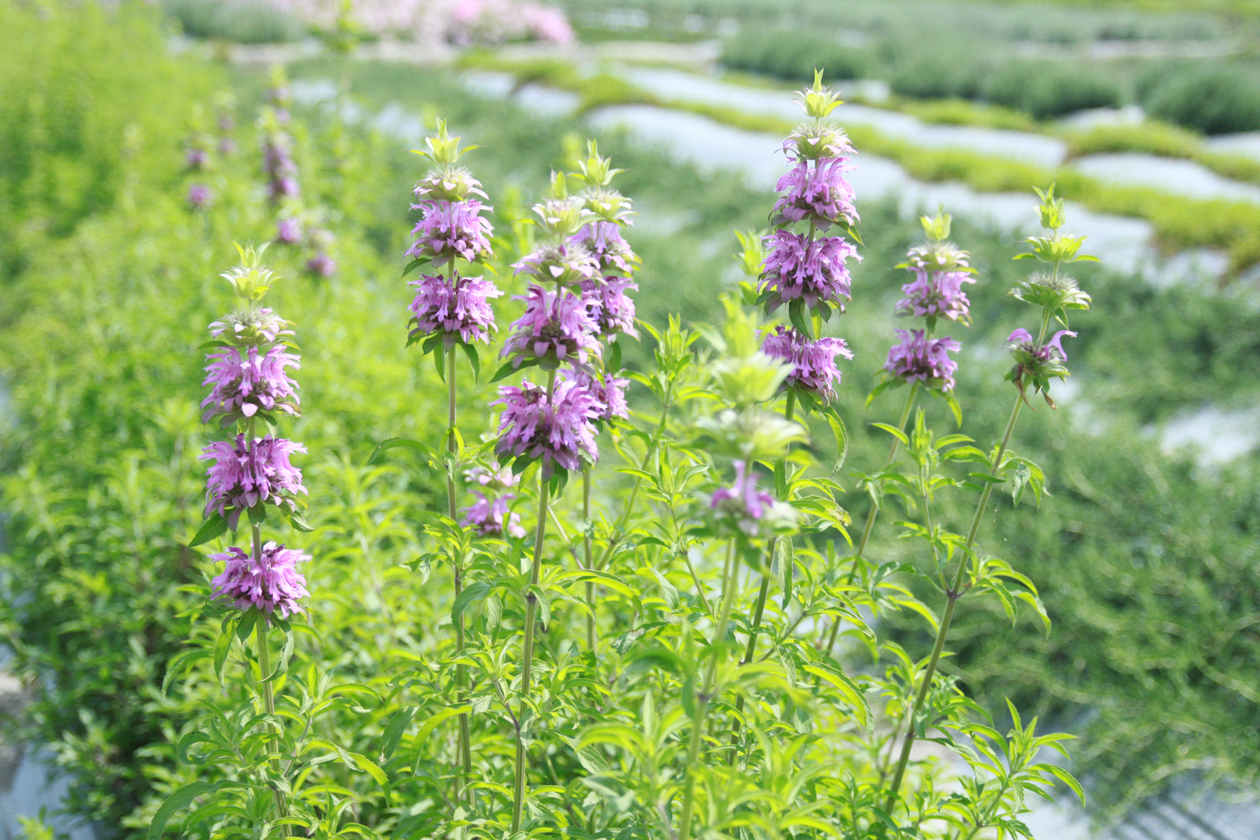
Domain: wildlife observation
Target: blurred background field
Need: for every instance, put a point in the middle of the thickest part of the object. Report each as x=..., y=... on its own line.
x=1147, y=116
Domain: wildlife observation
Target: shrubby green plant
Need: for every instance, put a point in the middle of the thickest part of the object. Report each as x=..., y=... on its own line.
x=634, y=710
x=238, y=21
x=83, y=402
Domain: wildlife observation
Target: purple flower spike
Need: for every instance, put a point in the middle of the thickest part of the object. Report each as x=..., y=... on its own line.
x=607, y=246
x=921, y=359
x=272, y=585
x=459, y=309
x=560, y=433
x=491, y=518
x=288, y=231
x=245, y=475
x=742, y=504
x=250, y=383
x=819, y=193
x=555, y=329
x=813, y=361
x=321, y=265
x=196, y=159
x=796, y=268
x=936, y=294
x=198, y=196
x=609, y=306
x=450, y=229
x=608, y=393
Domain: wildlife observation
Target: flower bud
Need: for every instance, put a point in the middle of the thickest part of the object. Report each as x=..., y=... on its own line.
x=251, y=279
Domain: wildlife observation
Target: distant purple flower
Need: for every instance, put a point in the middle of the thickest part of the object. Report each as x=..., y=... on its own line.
x=608, y=392
x=796, y=268
x=562, y=264
x=288, y=231
x=249, y=383
x=489, y=516
x=813, y=361
x=280, y=169
x=459, y=310
x=742, y=504
x=281, y=188
x=448, y=229
x=610, y=250
x=556, y=328
x=273, y=584
x=245, y=475
x=560, y=433
x=198, y=196
x=921, y=359
x=609, y=306
x=227, y=147
x=321, y=265
x=818, y=192
x=196, y=159
x=936, y=294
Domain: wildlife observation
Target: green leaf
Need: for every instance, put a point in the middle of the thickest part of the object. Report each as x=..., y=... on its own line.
x=1067, y=779
x=177, y=801
x=610, y=581
x=842, y=439
x=510, y=368
x=472, y=594
x=394, y=730
x=473, y=359
x=894, y=431
x=785, y=563
x=213, y=527
x=397, y=442
x=850, y=690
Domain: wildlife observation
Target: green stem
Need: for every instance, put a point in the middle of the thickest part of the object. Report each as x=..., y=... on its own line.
x=590, y=585
x=781, y=479
x=955, y=591
x=873, y=513
x=465, y=735
x=702, y=698
x=527, y=656
x=269, y=697
x=619, y=531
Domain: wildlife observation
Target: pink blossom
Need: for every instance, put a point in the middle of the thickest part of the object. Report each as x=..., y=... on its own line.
x=556, y=328
x=921, y=359
x=813, y=360
x=250, y=383
x=245, y=475
x=459, y=310
x=559, y=432
x=271, y=584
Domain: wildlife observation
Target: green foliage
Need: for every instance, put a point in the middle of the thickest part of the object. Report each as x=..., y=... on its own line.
x=1212, y=98
x=1051, y=89
x=83, y=91
x=794, y=55
x=239, y=21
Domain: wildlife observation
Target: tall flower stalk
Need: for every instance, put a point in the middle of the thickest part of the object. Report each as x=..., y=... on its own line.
x=554, y=426
x=246, y=371
x=451, y=310
x=1036, y=363
x=940, y=270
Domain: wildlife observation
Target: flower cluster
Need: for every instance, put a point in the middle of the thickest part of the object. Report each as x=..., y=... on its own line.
x=813, y=360
x=556, y=429
x=805, y=269
x=269, y=582
x=246, y=372
x=590, y=265
x=813, y=270
x=278, y=163
x=245, y=381
x=450, y=308
x=748, y=512
x=919, y=358
x=247, y=473
x=489, y=515
x=939, y=270
x=1036, y=365
x=556, y=328
x=449, y=229
x=457, y=309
